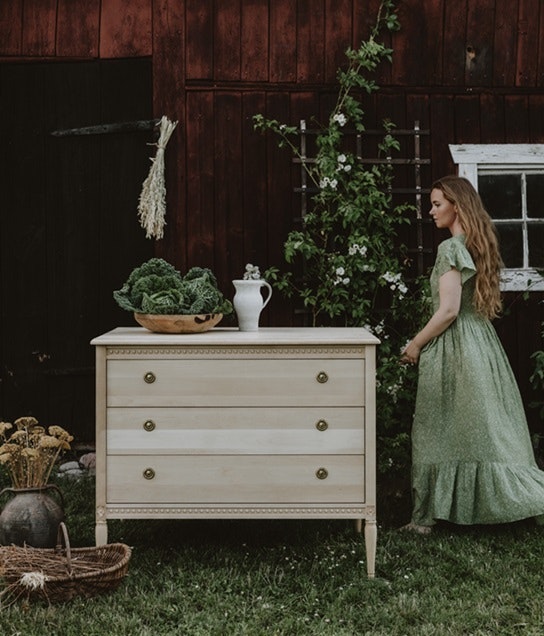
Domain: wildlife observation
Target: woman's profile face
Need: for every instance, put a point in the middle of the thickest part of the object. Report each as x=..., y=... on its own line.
x=443, y=211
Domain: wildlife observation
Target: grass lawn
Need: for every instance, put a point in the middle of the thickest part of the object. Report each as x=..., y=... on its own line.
x=223, y=577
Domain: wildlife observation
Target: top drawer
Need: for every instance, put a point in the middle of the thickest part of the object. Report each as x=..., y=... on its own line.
x=223, y=382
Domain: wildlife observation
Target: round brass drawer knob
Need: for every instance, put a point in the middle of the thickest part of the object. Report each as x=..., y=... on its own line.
x=149, y=425
x=321, y=425
x=149, y=473
x=322, y=377
x=149, y=377
x=322, y=473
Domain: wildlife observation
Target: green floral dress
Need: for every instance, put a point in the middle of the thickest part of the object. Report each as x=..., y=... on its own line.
x=472, y=459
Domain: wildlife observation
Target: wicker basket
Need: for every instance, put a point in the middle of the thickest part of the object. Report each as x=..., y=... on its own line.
x=62, y=573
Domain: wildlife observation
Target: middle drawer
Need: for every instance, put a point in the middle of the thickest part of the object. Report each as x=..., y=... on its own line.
x=310, y=430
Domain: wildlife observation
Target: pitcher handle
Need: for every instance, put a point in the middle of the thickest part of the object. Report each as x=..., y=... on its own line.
x=265, y=284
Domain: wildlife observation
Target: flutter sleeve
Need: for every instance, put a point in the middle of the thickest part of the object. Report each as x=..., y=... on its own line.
x=452, y=253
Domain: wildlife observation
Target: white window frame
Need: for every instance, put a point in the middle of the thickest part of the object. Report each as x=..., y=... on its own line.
x=475, y=159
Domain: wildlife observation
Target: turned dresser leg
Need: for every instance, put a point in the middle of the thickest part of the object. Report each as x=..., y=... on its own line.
x=101, y=526
x=371, y=536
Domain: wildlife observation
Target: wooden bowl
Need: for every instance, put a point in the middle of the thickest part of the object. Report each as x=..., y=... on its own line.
x=178, y=323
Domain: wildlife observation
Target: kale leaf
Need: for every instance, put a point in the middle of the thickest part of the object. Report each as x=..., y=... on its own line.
x=156, y=287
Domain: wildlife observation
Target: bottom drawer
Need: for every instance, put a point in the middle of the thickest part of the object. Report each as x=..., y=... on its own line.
x=235, y=479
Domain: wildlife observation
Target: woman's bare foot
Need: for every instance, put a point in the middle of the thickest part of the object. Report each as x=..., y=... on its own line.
x=413, y=527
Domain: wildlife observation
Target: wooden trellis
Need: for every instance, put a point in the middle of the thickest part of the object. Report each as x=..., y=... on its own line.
x=414, y=189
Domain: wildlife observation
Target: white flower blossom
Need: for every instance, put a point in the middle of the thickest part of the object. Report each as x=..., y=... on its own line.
x=328, y=182
x=252, y=272
x=395, y=283
x=340, y=119
x=379, y=328
x=391, y=278
x=357, y=249
x=340, y=277
x=342, y=165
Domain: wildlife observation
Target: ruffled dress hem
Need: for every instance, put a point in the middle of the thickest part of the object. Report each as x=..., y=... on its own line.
x=467, y=493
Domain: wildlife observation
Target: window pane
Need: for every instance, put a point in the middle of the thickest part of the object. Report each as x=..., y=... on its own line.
x=536, y=245
x=511, y=244
x=535, y=196
x=501, y=194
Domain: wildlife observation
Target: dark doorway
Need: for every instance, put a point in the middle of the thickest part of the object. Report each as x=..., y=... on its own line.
x=69, y=232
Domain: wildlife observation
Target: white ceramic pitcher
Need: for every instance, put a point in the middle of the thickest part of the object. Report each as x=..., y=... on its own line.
x=249, y=302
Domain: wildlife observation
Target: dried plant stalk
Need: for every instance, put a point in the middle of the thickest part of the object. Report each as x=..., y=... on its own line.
x=152, y=203
x=30, y=452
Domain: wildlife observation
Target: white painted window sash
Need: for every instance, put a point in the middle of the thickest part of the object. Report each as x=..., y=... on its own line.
x=475, y=159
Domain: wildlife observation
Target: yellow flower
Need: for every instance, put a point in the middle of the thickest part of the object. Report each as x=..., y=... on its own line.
x=59, y=432
x=31, y=453
x=47, y=441
x=5, y=426
x=19, y=437
x=13, y=449
x=26, y=422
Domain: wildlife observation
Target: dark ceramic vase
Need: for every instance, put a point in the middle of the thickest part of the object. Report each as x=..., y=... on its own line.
x=32, y=517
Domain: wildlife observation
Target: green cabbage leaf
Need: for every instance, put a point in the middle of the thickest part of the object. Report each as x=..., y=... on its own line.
x=156, y=287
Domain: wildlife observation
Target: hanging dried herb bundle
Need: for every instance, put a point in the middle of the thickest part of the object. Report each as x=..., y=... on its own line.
x=152, y=203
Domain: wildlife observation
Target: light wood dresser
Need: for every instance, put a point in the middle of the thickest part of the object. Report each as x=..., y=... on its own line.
x=278, y=423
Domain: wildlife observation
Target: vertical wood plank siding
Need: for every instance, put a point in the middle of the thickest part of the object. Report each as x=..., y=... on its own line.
x=199, y=52
x=309, y=51
x=169, y=98
x=283, y=41
x=125, y=28
x=78, y=29
x=471, y=71
x=441, y=42
x=505, y=42
x=11, y=27
x=39, y=27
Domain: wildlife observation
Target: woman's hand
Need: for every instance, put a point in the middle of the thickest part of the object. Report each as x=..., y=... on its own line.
x=449, y=289
x=410, y=353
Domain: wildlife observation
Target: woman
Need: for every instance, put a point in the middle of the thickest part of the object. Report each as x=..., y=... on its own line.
x=472, y=459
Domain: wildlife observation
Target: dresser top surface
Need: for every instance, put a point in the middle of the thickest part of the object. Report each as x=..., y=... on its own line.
x=138, y=336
